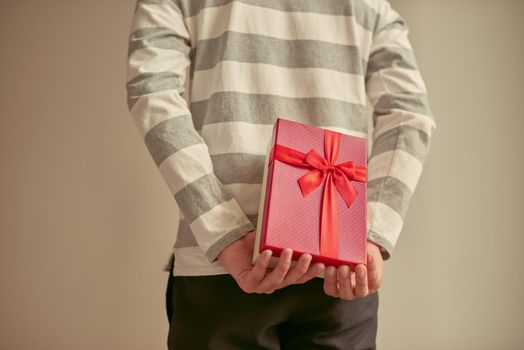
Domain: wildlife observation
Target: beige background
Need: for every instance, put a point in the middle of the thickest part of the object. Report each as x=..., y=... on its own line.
x=86, y=220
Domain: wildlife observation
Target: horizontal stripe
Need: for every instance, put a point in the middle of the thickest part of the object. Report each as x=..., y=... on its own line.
x=264, y=108
x=223, y=219
x=196, y=164
x=269, y=79
x=147, y=2
x=398, y=164
x=247, y=196
x=406, y=101
x=404, y=137
x=344, y=131
x=246, y=137
x=384, y=220
x=393, y=21
x=390, y=28
x=360, y=10
x=387, y=57
x=307, y=26
x=192, y=261
x=392, y=38
x=255, y=48
x=185, y=237
x=158, y=38
x=153, y=109
x=170, y=136
x=391, y=192
x=148, y=83
x=159, y=14
x=232, y=168
x=170, y=63
x=237, y=137
x=253, y=218
x=203, y=194
x=399, y=117
x=393, y=80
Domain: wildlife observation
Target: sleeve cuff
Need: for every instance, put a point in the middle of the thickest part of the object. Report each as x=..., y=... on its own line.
x=239, y=232
x=386, y=248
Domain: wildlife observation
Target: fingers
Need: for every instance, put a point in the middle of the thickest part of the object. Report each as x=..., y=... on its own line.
x=299, y=270
x=339, y=282
x=312, y=272
x=330, y=281
x=259, y=280
x=361, y=281
x=258, y=271
x=276, y=277
x=344, y=282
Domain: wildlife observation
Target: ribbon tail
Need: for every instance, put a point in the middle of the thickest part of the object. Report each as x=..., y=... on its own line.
x=311, y=180
x=344, y=187
x=329, y=220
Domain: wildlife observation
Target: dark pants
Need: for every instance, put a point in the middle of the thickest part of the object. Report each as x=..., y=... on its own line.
x=213, y=312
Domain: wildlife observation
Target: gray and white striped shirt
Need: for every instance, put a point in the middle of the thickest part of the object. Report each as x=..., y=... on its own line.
x=206, y=80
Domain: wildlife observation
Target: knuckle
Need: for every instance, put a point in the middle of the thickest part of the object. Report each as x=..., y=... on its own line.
x=280, y=276
x=375, y=284
x=346, y=296
x=302, y=269
x=247, y=289
x=326, y=290
x=293, y=278
x=304, y=278
x=361, y=293
x=330, y=291
x=279, y=279
x=331, y=294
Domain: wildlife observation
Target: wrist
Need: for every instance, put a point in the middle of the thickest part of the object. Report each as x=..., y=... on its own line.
x=374, y=246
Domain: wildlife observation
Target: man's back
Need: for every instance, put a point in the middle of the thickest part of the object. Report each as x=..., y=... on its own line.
x=207, y=79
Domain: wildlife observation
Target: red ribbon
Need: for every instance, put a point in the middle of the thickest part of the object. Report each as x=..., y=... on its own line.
x=337, y=176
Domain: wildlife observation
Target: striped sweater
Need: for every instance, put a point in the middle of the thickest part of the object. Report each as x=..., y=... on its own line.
x=206, y=80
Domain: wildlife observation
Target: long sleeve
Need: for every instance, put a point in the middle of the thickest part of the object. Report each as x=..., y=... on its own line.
x=159, y=55
x=403, y=126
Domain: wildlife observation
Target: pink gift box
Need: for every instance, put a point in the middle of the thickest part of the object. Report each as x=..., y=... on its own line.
x=288, y=219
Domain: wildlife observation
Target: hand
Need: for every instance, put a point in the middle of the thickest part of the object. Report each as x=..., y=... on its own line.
x=257, y=278
x=345, y=284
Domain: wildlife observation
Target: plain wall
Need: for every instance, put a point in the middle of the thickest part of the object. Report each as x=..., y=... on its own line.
x=86, y=219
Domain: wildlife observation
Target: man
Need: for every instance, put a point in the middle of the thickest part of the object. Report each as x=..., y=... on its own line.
x=206, y=80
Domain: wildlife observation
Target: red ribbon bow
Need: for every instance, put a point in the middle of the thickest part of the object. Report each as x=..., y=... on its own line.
x=337, y=176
